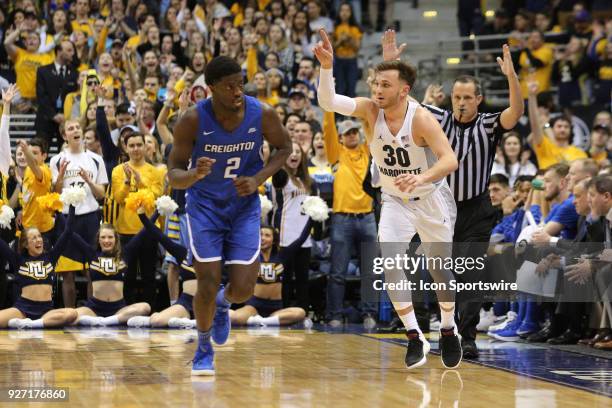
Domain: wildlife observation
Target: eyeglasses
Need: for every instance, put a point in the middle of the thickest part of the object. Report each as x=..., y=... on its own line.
x=92, y=83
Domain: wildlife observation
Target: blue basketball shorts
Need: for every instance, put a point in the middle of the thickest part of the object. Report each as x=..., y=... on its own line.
x=227, y=231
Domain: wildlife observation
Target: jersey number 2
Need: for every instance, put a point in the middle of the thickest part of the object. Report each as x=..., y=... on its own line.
x=232, y=164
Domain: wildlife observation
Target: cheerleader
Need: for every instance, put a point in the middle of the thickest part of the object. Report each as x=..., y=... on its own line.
x=107, y=267
x=265, y=307
x=34, y=270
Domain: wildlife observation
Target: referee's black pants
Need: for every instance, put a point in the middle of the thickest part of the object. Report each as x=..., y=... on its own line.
x=475, y=221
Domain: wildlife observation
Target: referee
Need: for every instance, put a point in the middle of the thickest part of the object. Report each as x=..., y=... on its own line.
x=474, y=137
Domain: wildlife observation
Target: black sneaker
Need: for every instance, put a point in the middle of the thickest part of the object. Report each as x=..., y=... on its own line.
x=450, y=348
x=470, y=351
x=418, y=347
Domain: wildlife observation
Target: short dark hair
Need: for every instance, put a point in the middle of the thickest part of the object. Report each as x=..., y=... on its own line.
x=524, y=178
x=469, y=79
x=499, y=178
x=602, y=184
x=405, y=71
x=123, y=108
x=40, y=143
x=219, y=68
x=563, y=118
x=130, y=135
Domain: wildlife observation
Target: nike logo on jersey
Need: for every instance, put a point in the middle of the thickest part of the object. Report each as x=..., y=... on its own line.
x=252, y=130
x=208, y=133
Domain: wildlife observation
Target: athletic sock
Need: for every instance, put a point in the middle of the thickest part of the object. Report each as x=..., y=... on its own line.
x=37, y=324
x=447, y=312
x=408, y=318
x=271, y=321
x=88, y=320
x=254, y=320
x=172, y=302
x=110, y=320
x=203, y=339
x=222, y=300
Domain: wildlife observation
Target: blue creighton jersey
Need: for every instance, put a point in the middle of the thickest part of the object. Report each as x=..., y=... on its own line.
x=237, y=153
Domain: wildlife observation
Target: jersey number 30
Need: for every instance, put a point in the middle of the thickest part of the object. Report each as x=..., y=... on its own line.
x=232, y=164
x=399, y=156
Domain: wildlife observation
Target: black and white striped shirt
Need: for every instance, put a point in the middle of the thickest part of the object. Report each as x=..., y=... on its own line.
x=475, y=144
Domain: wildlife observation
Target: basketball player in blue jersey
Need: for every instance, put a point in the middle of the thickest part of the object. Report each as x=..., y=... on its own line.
x=217, y=158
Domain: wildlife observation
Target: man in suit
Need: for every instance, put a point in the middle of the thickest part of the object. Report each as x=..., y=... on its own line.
x=591, y=229
x=53, y=83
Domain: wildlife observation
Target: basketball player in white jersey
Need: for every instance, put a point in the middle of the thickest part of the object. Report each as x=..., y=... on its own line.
x=413, y=158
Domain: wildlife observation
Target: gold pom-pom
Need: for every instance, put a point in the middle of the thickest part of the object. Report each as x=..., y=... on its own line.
x=141, y=197
x=50, y=202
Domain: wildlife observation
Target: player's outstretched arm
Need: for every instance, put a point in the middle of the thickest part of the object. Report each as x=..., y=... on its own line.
x=185, y=132
x=326, y=92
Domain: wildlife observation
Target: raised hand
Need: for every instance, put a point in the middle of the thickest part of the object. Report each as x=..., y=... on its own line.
x=389, y=45
x=9, y=93
x=63, y=166
x=84, y=175
x=128, y=172
x=506, y=65
x=324, y=51
x=533, y=87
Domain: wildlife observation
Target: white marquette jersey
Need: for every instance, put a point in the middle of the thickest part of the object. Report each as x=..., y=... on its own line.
x=396, y=155
x=289, y=217
x=93, y=164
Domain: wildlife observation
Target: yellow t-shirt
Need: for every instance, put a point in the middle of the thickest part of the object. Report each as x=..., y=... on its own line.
x=84, y=27
x=600, y=157
x=26, y=64
x=548, y=153
x=128, y=222
x=541, y=75
x=33, y=215
x=352, y=166
x=134, y=41
x=344, y=51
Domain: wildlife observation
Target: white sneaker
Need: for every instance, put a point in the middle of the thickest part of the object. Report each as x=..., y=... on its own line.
x=91, y=321
x=335, y=323
x=307, y=323
x=487, y=319
x=511, y=316
x=181, y=323
x=369, y=323
x=20, y=324
x=139, y=321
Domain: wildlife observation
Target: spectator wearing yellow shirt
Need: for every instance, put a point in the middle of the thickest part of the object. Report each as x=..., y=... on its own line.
x=535, y=63
x=36, y=183
x=128, y=177
x=82, y=22
x=347, y=41
x=263, y=90
x=599, y=141
x=551, y=144
x=353, y=219
x=26, y=61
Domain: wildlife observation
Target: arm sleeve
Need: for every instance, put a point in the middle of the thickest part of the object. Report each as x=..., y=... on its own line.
x=7, y=253
x=62, y=242
x=89, y=253
x=287, y=253
x=280, y=178
x=5, y=145
x=178, y=251
x=329, y=100
x=110, y=152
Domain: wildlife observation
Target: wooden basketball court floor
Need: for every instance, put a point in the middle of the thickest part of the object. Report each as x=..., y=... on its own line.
x=117, y=367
